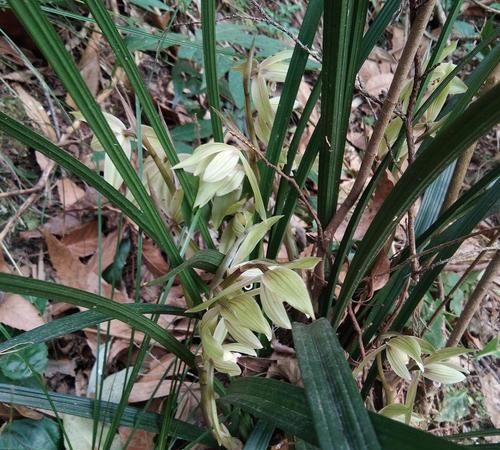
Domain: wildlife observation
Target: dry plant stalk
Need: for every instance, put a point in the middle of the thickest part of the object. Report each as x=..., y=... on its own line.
x=400, y=76
x=473, y=303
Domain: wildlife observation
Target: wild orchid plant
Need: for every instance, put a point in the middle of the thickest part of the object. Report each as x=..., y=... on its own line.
x=412, y=358
x=247, y=297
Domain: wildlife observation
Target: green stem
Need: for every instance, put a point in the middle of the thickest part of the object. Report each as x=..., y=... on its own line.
x=389, y=396
x=209, y=407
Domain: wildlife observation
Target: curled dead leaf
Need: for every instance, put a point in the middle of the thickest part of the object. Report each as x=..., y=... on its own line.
x=19, y=313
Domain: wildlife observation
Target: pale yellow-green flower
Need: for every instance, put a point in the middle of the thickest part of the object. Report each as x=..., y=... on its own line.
x=281, y=285
x=219, y=169
x=111, y=174
x=439, y=365
x=436, y=76
x=399, y=351
x=272, y=69
x=213, y=333
x=436, y=366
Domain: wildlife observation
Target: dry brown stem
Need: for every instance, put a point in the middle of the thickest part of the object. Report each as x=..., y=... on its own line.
x=400, y=76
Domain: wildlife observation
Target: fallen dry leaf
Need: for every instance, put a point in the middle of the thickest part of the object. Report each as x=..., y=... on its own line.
x=153, y=258
x=89, y=66
x=58, y=225
x=379, y=84
x=107, y=253
x=69, y=192
x=189, y=401
x=36, y=113
x=140, y=440
x=72, y=272
x=380, y=273
x=144, y=390
x=82, y=241
x=19, y=313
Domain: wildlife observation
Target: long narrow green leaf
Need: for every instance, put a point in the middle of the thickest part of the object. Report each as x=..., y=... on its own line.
x=284, y=187
x=285, y=406
x=453, y=138
x=30, y=14
x=208, y=260
x=432, y=200
x=377, y=28
x=325, y=301
x=210, y=69
x=383, y=302
x=79, y=321
x=34, y=20
x=340, y=419
x=85, y=407
x=343, y=29
x=36, y=141
x=149, y=40
x=260, y=437
x=289, y=94
x=108, y=28
x=303, y=171
x=461, y=227
x=125, y=59
x=43, y=289
x=371, y=37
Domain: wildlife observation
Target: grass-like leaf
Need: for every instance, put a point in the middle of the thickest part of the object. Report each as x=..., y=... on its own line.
x=340, y=419
x=85, y=407
x=34, y=20
x=125, y=59
x=209, y=57
x=43, y=289
x=450, y=142
x=285, y=406
x=79, y=321
x=289, y=94
x=343, y=30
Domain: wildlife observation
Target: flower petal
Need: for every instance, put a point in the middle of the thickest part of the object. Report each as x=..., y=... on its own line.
x=274, y=309
x=442, y=373
x=255, y=234
x=397, y=360
x=288, y=286
x=243, y=310
x=410, y=346
x=221, y=166
x=243, y=335
x=201, y=153
x=206, y=191
x=233, y=182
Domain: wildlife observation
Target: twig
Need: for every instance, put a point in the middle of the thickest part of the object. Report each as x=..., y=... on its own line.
x=270, y=21
x=412, y=246
x=288, y=178
x=474, y=301
x=367, y=96
x=447, y=243
x=358, y=331
x=40, y=185
x=457, y=179
x=21, y=192
x=486, y=7
x=422, y=17
x=447, y=299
